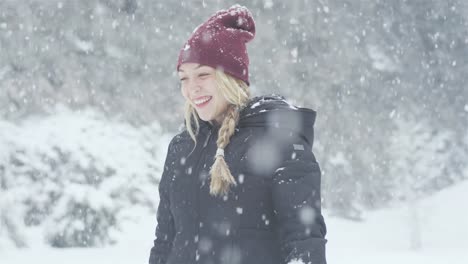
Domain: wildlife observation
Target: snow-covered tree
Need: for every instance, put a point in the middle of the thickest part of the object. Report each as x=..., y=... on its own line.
x=78, y=176
x=420, y=155
x=12, y=208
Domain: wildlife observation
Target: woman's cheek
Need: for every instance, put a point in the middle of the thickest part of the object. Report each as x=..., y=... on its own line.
x=183, y=91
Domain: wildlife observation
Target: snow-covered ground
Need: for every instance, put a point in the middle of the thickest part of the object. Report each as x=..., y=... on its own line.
x=382, y=238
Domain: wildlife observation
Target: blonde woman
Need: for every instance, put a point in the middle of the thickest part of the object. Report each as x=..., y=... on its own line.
x=240, y=183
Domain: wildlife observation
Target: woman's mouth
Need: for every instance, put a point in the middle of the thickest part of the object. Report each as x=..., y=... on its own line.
x=201, y=102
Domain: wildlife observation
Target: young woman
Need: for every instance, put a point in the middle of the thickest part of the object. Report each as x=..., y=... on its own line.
x=240, y=183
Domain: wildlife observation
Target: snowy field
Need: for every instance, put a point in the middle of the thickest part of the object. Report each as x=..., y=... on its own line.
x=383, y=238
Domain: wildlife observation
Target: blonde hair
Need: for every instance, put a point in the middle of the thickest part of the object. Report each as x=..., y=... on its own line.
x=237, y=93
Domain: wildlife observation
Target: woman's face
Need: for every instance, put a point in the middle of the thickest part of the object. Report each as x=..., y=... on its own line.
x=198, y=86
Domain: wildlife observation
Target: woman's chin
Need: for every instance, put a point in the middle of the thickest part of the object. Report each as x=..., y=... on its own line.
x=204, y=118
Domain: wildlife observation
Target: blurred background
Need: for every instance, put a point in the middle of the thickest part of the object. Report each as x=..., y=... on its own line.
x=89, y=99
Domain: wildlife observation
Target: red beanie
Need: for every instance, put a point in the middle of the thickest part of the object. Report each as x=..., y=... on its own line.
x=220, y=42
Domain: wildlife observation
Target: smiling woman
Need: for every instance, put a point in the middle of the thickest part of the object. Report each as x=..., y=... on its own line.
x=214, y=97
x=240, y=183
x=200, y=90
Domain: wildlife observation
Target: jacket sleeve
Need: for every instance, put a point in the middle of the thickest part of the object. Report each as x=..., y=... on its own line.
x=297, y=205
x=165, y=229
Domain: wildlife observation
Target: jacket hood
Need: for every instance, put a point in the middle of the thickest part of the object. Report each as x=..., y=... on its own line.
x=273, y=111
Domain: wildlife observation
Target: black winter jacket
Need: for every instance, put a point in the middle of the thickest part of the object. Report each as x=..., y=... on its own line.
x=272, y=215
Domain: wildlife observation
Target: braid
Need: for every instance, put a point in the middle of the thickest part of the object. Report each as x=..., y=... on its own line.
x=221, y=177
x=228, y=127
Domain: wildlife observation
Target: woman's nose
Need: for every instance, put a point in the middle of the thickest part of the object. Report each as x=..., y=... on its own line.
x=194, y=86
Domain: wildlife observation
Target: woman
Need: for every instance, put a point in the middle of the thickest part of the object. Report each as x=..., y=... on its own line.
x=240, y=183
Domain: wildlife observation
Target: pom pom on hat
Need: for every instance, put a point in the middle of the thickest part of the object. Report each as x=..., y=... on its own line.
x=220, y=42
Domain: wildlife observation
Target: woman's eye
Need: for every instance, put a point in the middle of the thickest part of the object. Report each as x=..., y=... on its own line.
x=183, y=79
x=203, y=74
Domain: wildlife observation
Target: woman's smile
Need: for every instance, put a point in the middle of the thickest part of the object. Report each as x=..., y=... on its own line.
x=203, y=101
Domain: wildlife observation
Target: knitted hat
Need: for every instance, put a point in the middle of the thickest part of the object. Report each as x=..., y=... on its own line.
x=220, y=42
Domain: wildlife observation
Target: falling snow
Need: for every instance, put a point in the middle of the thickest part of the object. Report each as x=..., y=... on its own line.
x=89, y=100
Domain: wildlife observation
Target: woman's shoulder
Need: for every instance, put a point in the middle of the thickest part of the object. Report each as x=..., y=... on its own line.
x=279, y=117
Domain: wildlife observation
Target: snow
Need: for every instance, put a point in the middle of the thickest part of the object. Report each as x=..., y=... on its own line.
x=263, y=156
x=268, y=4
x=81, y=162
x=239, y=210
x=241, y=178
x=307, y=215
x=256, y=105
x=279, y=169
x=381, y=238
x=383, y=61
x=384, y=236
x=294, y=53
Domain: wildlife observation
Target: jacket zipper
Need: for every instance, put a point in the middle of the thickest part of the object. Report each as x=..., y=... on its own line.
x=207, y=139
x=200, y=160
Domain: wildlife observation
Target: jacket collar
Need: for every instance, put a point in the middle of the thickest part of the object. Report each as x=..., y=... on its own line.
x=272, y=111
